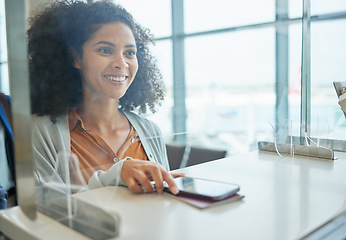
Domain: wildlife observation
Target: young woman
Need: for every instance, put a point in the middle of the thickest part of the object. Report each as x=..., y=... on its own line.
x=90, y=68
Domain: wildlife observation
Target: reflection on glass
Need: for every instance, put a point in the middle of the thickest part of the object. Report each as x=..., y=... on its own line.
x=294, y=74
x=55, y=200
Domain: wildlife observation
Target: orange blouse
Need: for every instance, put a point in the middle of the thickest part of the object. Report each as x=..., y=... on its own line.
x=94, y=153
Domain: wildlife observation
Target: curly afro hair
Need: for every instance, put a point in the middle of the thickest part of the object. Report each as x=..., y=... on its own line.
x=66, y=25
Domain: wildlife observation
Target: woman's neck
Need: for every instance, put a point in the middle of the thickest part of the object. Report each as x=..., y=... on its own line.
x=102, y=116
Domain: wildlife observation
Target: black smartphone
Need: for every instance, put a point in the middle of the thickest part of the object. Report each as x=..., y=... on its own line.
x=204, y=189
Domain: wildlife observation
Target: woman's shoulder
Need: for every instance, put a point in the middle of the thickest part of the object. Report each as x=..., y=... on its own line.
x=45, y=122
x=136, y=117
x=57, y=132
x=138, y=120
x=46, y=119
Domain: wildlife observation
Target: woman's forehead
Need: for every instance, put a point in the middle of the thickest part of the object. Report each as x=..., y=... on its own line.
x=114, y=31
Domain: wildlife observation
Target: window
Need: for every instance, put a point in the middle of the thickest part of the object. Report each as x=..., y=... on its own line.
x=201, y=15
x=239, y=73
x=230, y=91
x=242, y=70
x=328, y=58
x=156, y=17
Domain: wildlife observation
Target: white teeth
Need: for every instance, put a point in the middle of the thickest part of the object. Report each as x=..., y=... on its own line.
x=116, y=79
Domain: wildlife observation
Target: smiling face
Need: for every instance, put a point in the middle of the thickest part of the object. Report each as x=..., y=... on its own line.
x=109, y=62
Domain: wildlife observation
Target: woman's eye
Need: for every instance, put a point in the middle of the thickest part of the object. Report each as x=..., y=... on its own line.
x=130, y=53
x=105, y=51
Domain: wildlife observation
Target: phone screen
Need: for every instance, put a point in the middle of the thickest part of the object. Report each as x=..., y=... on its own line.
x=205, y=189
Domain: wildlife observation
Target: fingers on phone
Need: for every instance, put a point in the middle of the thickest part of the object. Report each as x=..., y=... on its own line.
x=175, y=175
x=171, y=184
x=144, y=181
x=134, y=186
x=150, y=177
x=156, y=175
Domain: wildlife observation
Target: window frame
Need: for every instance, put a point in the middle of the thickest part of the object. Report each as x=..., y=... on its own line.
x=281, y=24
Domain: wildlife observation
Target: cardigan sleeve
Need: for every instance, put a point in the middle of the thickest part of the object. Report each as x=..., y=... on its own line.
x=151, y=138
x=52, y=142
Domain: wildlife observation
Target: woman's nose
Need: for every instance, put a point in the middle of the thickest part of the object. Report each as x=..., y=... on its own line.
x=120, y=62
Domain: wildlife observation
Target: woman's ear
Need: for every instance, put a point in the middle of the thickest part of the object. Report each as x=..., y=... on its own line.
x=75, y=57
x=76, y=64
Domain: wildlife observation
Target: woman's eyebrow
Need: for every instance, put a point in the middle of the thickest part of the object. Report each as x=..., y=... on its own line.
x=131, y=46
x=113, y=45
x=105, y=42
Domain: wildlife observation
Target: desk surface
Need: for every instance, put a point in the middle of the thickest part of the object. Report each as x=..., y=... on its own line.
x=285, y=198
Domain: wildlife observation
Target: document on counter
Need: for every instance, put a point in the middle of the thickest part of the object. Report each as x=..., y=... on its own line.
x=202, y=204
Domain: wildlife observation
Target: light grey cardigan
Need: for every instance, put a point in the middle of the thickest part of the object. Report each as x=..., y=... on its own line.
x=50, y=139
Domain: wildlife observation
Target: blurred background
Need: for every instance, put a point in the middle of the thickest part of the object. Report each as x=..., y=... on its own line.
x=233, y=68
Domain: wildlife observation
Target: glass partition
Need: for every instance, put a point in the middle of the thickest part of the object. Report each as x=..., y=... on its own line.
x=328, y=54
x=4, y=84
x=241, y=69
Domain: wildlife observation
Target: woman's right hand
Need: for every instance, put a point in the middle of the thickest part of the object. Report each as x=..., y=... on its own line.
x=138, y=174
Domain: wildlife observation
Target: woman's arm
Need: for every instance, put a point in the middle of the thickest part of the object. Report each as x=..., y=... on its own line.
x=52, y=155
